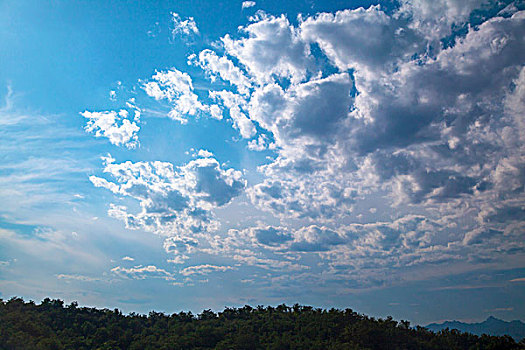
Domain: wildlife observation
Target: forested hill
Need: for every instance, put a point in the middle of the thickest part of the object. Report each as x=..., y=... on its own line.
x=52, y=325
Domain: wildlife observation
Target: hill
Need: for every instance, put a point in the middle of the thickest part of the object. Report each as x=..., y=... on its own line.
x=492, y=326
x=53, y=325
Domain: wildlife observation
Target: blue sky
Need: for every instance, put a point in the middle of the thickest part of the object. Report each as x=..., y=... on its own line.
x=183, y=156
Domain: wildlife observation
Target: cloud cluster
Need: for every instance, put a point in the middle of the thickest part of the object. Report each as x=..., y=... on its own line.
x=176, y=202
x=119, y=128
x=435, y=129
x=414, y=108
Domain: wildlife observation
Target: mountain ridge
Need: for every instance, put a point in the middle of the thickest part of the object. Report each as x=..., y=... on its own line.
x=491, y=326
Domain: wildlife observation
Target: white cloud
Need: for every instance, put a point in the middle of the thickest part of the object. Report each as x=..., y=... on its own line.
x=128, y=258
x=177, y=87
x=240, y=121
x=248, y=4
x=270, y=264
x=142, y=272
x=119, y=127
x=183, y=27
x=81, y=278
x=204, y=153
x=272, y=48
x=259, y=144
x=435, y=18
x=203, y=269
x=223, y=68
x=364, y=39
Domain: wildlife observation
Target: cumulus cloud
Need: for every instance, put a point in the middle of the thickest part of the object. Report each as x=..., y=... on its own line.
x=235, y=103
x=364, y=39
x=270, y=235
x=435, y=19
x=314, y=238
x=183, y=26
x=260, y=144
x=222, y=67
x=177, y=87
x=118, y=127
x=181, y=196
x=176, y=202
x=272, y=48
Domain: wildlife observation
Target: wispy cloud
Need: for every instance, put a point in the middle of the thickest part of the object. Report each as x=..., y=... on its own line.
x=521, y=279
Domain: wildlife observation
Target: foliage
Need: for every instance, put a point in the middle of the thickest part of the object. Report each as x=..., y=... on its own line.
x=52, y=325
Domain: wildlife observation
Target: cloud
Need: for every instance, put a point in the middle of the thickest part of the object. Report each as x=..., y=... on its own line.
x=363, y=39
x=222, y=67
x=260, y=144
x=248, y=4
x=403, y=123
x=413, y=111
x=314, y=238
x=176, y=202
x=479, y=234
x=204, y=153
x=435, y=19
x=184, y=27
x=522, y=279
x=272, y=48
x=119, y=127
x=234, y=103
x=499, y=309
x=176, y=87
x=81, y=278
x=270, y=236
x=36, y=175
x=128, y=258
x=203, y=269
x=270, y=264
x=142, y=272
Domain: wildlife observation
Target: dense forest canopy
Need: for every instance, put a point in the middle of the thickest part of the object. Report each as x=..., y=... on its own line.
x=53, y=325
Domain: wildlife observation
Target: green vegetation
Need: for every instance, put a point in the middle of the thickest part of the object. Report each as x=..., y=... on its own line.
x=51, y=325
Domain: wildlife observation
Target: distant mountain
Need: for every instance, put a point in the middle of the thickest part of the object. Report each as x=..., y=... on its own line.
x=491, y=326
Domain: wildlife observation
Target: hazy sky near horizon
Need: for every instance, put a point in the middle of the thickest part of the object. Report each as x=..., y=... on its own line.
x=190, y=155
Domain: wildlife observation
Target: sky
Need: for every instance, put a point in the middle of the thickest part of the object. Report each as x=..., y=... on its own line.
x=195, y=155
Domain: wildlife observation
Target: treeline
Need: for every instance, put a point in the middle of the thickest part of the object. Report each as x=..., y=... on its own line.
x=53, y=325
